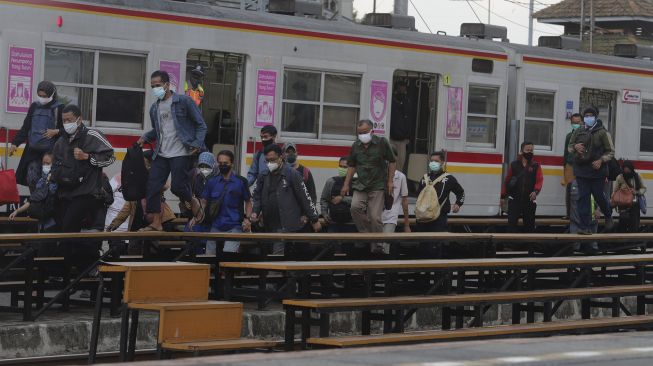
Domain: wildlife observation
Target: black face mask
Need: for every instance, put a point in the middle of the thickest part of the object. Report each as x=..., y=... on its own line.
x=224, y=169
x=528, y=156
x=267, y=142
x=291, y=158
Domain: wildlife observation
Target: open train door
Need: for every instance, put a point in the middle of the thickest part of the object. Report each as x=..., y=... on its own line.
x=215, y=81
x=413, y=121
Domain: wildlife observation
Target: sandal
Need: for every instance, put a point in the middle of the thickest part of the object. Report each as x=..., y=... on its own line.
x=149, y=228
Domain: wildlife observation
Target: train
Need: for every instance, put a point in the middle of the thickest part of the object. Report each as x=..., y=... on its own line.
x=314, y=79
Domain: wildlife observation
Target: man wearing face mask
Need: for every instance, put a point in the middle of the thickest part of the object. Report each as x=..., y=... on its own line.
x=568, y=161
x=179, y=131
x=231, y=193
x=79, y=157
x=372, y=159
x=40, y=129
x=336, y=209
x=592, y=148
x=259, y=164
x=290, y=156
x=281, y=199
x=522, y=185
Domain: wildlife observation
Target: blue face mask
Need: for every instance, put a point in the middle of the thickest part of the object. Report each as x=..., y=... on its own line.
x=159, y=92
x=589, y=121
x=434, y=166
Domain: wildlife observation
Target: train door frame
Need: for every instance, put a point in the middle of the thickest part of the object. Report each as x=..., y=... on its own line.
x=609, y=121
x=234, y=97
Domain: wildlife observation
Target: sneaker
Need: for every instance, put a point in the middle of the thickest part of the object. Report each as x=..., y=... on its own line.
x=86, y=294
x=583, y=232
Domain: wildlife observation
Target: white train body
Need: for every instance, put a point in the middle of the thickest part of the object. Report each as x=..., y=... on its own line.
x=134, y=36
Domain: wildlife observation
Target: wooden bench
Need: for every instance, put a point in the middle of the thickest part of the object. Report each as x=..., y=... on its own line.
x=398, y=310
x=521, y=330
x=435, y=274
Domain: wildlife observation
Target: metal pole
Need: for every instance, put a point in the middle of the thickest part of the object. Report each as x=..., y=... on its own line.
x=489, y=12
x=582, y=21
x=374, y=7
x=591, y=26
x=530, y=22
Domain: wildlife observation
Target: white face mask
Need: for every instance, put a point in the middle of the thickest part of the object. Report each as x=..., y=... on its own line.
x=365, y=137
x=273, y=166
x=46, y=169
x=44, y=101
x=70, y=127
x=206, y=171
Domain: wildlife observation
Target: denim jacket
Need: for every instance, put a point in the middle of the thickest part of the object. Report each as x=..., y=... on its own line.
x=189, y=123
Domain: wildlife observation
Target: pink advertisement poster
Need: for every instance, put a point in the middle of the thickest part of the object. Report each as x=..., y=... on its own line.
x=20, y=79
x=454, y=114
x=379, y=105
x=173, y=68
x=266, y=90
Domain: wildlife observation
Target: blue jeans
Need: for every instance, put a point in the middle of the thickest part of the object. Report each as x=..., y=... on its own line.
x=586, y=189
x=229, y=246
x=179, y=169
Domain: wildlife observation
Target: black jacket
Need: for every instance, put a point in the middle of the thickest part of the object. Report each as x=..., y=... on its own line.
x=292, y=197
x=444, y=189
x=100, y=153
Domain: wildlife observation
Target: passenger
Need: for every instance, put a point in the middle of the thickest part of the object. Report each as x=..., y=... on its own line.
x=592, y=148
x=443, y=188
x=79, y=157
x=205, y=170
x=179, y=130
x=281, y=199
x=259, y=164
x=336, y=209
x=568, y=161
x=371, y=158
x=290, y=156
x=400, y=123
x=117, y=205
x=629, y=218
x=41, y=203
x=522, y=185
x=391, y=216
x=225, y=195
x=40, y=129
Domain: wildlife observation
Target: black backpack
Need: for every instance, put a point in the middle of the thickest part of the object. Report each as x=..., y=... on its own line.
x=340, y=213
x=133, y=174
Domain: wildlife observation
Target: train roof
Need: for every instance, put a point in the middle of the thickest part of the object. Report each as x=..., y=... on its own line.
x=339, y=26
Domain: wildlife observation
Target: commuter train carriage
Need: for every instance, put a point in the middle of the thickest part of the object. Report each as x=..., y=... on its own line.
x=314, y=79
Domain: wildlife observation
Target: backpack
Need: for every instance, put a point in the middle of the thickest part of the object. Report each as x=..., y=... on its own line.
x=614, y=169
x=42, y=119
x=133, y=174
x=69, y=172
x=428, y=205
x=42, y=201
x=339, y=213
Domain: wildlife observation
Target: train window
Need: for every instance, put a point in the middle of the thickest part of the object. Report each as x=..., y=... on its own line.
x=109, y=87
x=484, y=66
x=538, y=127
x=482, y=116
x=646, y=135
x=319, y=103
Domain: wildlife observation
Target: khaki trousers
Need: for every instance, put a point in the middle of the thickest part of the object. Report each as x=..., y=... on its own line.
x=400, y=146
x=366, y=210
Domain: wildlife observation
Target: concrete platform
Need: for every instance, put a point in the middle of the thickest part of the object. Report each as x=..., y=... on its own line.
x=66, y=333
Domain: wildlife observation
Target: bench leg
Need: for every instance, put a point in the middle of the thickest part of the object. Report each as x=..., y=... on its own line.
x=290, y=329
x=306, y=326
x=548, y=311
x=478, y=316
x=116, y=293
x=641, y=305
x=516, y=313
x=29, y=288
x=133, y=332
x=366, y=323
x=586, y=312
x=124, y=330
x=399, y=320
x=446, y=318
x=228, y=283
x=616, y=309
x=324, y=324
x=95, y=329
x=530, y=312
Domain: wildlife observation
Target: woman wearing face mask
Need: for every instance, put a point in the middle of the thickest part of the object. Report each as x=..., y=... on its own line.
x=522, y=185
x=41, y=127
x=41, y=202
x=443, y=188
x=206, y=169
x=629, y=218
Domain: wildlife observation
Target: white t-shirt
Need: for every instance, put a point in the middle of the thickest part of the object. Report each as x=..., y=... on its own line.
x=116, y=206
x=400, y=190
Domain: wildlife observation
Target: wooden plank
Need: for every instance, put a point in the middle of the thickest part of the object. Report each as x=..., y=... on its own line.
x=203, y=324
x=186, y=305
x=472, y=298
x=230, y=344
x=471, y=333
x=166, y=283
x=476, y=263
